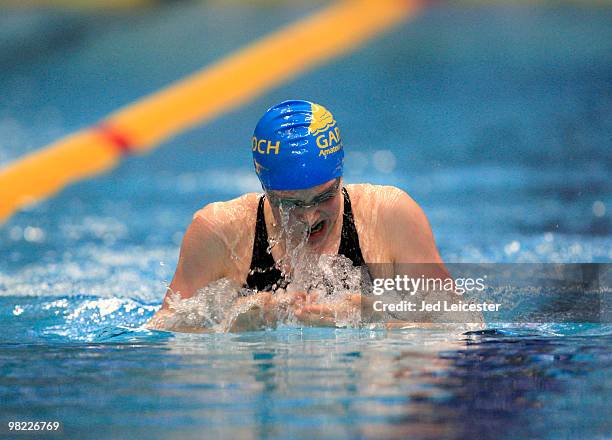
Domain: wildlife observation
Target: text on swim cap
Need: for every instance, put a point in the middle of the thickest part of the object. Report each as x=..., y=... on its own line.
x=329, y=142
x=258, y=146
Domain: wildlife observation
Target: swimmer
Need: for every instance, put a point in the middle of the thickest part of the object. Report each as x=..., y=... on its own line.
x=298, y=156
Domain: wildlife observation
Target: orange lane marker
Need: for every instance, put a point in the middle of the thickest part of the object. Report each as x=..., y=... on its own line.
x=227, y=84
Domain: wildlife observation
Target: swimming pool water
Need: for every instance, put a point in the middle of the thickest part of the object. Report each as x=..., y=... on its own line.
x=496, y=119
x=291, y=383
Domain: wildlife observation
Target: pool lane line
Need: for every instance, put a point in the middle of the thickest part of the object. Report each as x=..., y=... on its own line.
x=219, y=88
x=117, y=139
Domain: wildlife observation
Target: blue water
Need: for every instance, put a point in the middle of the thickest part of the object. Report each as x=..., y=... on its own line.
x=496, y=119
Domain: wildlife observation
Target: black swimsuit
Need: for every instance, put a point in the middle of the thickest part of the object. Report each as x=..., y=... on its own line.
x=264, y=275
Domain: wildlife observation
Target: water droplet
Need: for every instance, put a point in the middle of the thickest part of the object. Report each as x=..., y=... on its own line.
x=384, y=161
x=599, y=209
x=575, y=249
x=33, y=235
x=512, y=247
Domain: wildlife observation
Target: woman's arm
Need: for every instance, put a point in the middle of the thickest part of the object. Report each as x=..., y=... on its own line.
x=201, y=261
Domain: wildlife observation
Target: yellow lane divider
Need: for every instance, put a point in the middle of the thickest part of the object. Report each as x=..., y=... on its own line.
x=227, y=84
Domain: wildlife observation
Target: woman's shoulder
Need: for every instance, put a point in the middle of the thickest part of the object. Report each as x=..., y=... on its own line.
x=230, y=212
x=370, y=196
x=230, y=220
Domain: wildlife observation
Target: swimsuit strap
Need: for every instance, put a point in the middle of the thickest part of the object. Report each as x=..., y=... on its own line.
x=349, y=242
x=263, y=273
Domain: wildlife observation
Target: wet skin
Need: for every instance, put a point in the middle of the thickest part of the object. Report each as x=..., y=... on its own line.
x=218, y=244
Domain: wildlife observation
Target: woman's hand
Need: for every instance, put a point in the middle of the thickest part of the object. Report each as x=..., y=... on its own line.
x=329, y=314
x=263, y=310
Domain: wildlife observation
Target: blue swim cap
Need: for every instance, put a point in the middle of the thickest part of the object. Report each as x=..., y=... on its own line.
x=297, y=145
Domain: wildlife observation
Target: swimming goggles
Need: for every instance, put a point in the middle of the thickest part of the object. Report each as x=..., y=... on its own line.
x=289, y=203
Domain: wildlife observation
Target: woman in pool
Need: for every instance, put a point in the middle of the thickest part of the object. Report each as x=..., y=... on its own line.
x=298, y=157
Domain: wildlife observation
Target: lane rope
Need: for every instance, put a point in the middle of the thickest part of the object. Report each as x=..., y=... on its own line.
x=115, y=137
x=219, y=88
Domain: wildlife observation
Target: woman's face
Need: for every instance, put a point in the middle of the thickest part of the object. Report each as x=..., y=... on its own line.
x=310, y=213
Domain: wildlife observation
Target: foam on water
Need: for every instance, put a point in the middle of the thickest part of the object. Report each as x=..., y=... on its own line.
x=329, y=280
